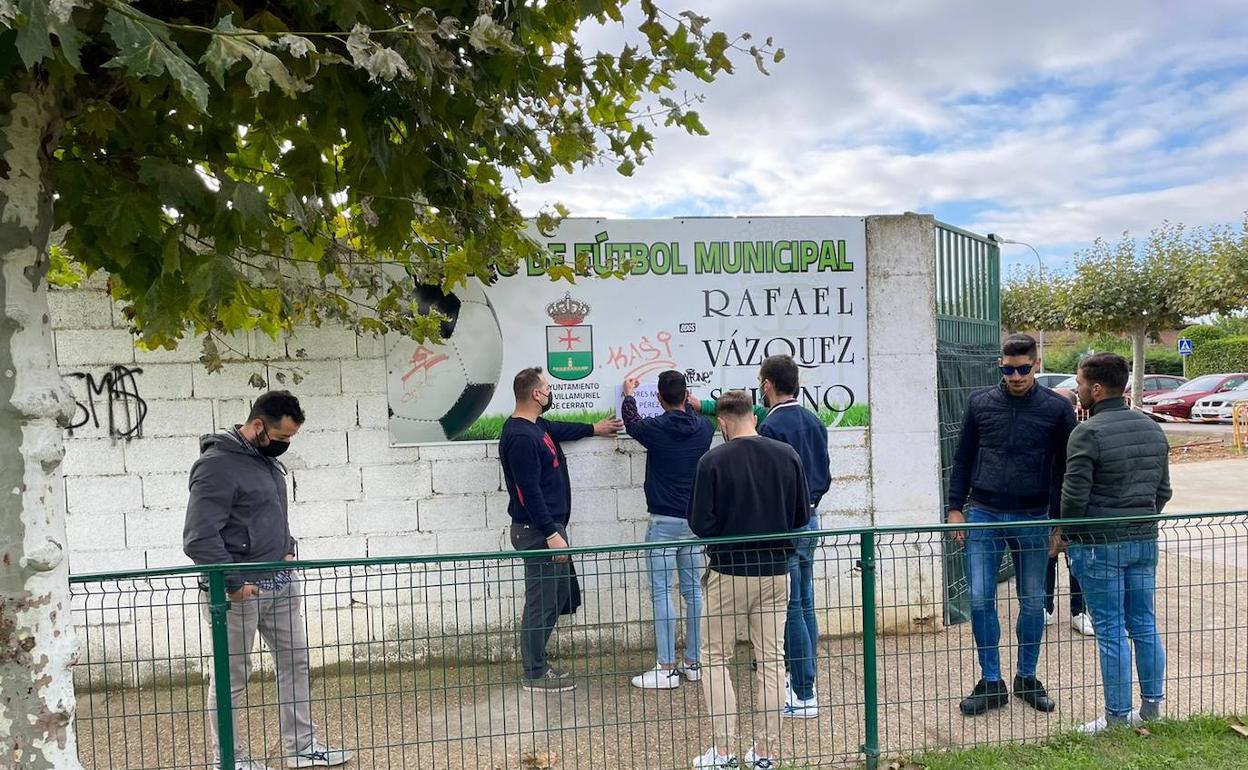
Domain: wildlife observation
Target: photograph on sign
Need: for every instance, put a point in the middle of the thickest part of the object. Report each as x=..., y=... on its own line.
x=710, y=298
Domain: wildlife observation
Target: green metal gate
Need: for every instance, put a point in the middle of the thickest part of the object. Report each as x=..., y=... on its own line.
x=968, y=341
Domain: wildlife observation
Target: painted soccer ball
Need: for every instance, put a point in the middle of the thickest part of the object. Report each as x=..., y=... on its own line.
x=437, y=391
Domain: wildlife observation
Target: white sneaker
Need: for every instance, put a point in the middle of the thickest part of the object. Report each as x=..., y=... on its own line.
x=713, y=760
x=658, y=678
x=692, y=671
x=319, y=755
x=1083, y=624
x=1100, y=724
x=1049, y=617
x=797, y=708
x=755, y=762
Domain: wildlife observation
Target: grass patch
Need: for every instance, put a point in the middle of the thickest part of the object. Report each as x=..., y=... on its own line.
x=1198, y=742
x=490, y=427
x=856, y=416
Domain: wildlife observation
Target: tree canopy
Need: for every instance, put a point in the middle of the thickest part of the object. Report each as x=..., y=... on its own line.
x=237, y=165
x=1136, y=288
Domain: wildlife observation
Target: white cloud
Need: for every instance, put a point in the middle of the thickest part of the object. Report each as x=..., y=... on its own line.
x=1054, y=123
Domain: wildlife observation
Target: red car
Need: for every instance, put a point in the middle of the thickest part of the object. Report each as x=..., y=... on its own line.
x=1179, y=402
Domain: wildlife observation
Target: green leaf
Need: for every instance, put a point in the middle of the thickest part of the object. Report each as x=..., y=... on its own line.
x=489, y=36
x=778, y=56
x=224, y=50
x=627, y=167
x=250, y=202
x=34, y=43
x=145, y=50
x=267, y=68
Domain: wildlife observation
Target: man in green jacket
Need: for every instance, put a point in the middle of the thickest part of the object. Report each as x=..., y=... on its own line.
x=1117, y=465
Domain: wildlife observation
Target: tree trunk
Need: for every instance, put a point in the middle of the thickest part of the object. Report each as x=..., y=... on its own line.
x=37, y=641
x=1138, y=339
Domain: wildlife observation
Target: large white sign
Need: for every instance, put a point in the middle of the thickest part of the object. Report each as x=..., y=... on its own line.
x=708, y=297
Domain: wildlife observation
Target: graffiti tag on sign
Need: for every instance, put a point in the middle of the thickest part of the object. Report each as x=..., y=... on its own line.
x=112, y=402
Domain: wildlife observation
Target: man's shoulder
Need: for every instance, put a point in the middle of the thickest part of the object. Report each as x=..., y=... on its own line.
x=985, y=395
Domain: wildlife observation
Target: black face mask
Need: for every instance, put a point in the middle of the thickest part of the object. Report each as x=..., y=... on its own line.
x=550, y=401
x=274, y=448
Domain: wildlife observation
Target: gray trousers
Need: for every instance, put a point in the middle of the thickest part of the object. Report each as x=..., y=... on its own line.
x=547, y=586
x=278, y=616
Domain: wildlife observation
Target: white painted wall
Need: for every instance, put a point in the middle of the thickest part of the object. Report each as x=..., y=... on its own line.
x=353, y=495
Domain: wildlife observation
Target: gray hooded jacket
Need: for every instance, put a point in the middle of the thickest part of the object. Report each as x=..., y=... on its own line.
x=237, y=510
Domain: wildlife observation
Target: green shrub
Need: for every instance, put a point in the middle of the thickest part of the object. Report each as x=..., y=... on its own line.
x=1199, y=335
x=1229, y=354
x=1161, y=361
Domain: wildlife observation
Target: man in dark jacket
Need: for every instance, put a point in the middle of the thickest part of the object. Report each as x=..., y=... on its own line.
x=1008, y=469
x=751, y=485
x=1118, y=465
x=237, y=513
x=674, y=442
x=536, y=473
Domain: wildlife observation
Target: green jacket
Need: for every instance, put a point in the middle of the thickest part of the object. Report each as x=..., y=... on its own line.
x=1117, y=464
x=708, y=409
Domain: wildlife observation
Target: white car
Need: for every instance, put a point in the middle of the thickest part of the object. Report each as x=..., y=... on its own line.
x=1217, y=407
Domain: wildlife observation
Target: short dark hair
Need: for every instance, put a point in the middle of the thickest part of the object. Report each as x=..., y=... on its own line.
x=783, y=373
x=1019, y=345
x=672, y=387
x=734, y=404
x=526, y=382
x=274, y=405
x=1110, y=370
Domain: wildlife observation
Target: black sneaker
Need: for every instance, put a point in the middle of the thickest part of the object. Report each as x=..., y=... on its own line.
x=551, y=681
x=986, y=695
x=1031, y=691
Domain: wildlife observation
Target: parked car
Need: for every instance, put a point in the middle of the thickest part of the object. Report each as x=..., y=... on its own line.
x=1154, y=384
x=1179, y=402
x=1051, y=379
x=1217, y=408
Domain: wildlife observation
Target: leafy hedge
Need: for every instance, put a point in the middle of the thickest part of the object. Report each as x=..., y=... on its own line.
x=1229, y=354
x=1156, y=360
x=1199, y=334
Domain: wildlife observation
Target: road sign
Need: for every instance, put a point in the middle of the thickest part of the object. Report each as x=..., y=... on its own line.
x=1185, y=346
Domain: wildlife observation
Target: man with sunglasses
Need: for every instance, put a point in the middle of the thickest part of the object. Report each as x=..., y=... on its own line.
x=1008, y=468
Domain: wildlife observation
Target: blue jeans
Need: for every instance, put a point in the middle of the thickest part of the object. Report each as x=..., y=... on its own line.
x=984, y=550
x=1119, y=582
x=663, y=561
x=801, y=629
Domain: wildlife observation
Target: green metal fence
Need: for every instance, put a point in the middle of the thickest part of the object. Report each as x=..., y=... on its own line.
x=413, y=662
x=968, y=342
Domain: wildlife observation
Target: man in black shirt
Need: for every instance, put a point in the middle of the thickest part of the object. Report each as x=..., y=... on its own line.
x=536, y=473
x=751, y=485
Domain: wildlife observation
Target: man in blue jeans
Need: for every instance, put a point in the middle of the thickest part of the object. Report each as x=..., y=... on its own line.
x=1118, y=465
x=674, y=442
x=1008, y=469
x=801, y=429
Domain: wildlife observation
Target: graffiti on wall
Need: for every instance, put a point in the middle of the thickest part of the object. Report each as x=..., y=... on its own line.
x=111, y=402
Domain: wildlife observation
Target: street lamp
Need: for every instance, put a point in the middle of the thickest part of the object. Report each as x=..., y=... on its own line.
x=999, y=240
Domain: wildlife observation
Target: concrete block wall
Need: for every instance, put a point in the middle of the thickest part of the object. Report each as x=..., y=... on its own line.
x=353, y=495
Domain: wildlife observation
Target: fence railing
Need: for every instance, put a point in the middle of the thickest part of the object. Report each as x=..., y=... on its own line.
x=415, y=663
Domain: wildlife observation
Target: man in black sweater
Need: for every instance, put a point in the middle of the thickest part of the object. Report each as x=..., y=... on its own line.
x=536, y=473
x=751, y=485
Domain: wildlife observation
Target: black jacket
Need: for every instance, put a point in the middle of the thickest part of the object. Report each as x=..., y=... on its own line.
x=237, y=509
x=674, y=443
x=1011, y=455
x=1118, y=465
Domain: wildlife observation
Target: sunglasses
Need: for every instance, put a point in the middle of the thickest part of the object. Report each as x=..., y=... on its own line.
x=1025, y=369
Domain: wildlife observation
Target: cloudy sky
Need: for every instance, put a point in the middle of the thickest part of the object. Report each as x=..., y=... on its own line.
x=1051, y=123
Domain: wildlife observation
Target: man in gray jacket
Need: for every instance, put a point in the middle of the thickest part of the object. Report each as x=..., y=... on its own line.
x=1117, y=465
x=237, y=513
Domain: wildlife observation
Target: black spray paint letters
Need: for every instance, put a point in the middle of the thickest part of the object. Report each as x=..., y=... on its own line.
x=120, y=407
